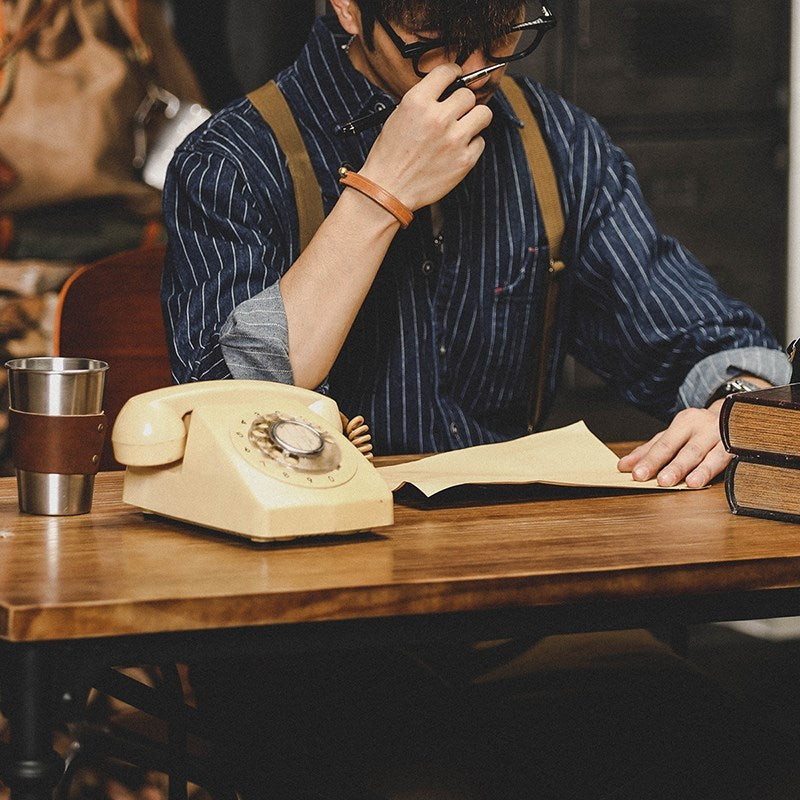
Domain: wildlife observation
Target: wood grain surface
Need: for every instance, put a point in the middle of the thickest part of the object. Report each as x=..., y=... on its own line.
x=116, y=571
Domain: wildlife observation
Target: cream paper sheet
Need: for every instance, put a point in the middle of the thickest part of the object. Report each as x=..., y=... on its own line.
x=570, y=456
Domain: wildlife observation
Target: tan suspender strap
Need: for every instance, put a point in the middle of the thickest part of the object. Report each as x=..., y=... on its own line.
x=272, y=105
x=544, y=178
x=546, y=187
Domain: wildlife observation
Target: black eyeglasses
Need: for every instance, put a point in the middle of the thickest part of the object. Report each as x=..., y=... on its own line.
x=517, y=42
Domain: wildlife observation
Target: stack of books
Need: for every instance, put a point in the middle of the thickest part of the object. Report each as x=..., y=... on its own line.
x=762, y=430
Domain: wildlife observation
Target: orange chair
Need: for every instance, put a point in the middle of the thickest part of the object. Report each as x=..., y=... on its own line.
x=111, y=310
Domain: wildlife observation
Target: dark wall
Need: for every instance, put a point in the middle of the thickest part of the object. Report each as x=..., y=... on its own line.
x=696, y=93
x=236, y=45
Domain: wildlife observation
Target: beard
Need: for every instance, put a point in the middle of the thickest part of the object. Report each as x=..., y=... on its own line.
x=486, y=92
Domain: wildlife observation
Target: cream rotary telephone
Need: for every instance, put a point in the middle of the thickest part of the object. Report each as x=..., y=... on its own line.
x=258, y=459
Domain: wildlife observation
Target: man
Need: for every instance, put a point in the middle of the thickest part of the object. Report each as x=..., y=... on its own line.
x=429, y=331
x=441, y=359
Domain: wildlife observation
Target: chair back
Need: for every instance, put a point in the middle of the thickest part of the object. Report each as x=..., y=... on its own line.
x=111, y=310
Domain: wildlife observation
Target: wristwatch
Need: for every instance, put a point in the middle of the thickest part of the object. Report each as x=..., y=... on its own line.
x=731, y=387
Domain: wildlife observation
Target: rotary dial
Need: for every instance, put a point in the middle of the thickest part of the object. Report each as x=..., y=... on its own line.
x=294, y=443
x=296, y=438
x=294, y=449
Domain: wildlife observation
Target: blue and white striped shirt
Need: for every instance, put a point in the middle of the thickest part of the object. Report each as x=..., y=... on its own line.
x=442, y=352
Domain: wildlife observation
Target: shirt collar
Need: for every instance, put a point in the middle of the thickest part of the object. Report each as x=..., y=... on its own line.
x=332, y=83
x=499, y=103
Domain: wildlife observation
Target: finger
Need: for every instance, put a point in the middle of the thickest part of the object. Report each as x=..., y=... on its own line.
x=660, y=452
x=436, y=81
x=475, y=120
x=711, y=466
x=460, y=103
x=475, y=148
x=629, y=461
x=689, y=457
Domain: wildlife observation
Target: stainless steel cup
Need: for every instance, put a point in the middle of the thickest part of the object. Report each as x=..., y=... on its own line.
x=56, y=422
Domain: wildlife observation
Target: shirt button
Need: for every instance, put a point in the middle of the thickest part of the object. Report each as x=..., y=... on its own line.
x=454, y=429
x=427, y=267
x=442, y=349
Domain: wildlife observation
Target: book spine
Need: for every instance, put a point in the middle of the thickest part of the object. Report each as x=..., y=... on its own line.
x=762, y=457
x=730, y=480
x=763, y=513
x=750, y=511
x=785, y=398
x=724, y=417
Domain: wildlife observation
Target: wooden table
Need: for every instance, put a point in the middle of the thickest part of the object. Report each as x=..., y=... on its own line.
x=117, y=587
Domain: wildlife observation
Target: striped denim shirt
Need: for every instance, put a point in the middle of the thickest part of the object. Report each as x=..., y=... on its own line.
x=442, y=352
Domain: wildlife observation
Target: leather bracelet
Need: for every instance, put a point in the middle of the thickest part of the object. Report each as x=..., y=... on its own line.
x=387, y=201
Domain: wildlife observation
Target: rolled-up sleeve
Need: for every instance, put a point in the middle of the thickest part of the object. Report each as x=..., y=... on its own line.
x=255, y=339
x=709, y=374
x=227, y=248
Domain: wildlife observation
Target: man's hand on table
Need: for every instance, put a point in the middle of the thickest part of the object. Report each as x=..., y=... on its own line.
x=690, y=449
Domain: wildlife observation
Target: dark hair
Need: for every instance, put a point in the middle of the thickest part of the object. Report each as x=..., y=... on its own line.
x=462, y=24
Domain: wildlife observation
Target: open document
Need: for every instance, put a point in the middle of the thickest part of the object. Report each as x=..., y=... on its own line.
x=570, y=456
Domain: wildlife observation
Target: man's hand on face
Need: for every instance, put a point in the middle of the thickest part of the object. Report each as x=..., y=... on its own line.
x=427, y=147
x=690, y=449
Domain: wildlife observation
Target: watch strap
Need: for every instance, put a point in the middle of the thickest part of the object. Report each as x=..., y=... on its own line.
x=732, y=386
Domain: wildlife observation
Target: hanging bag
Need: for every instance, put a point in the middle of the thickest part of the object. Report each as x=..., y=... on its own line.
x=73, y=75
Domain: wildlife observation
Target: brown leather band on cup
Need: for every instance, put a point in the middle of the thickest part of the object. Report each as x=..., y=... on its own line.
x=383, y=198
x=66, y=445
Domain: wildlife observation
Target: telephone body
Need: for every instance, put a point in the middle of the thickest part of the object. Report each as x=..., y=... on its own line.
x=258, y=459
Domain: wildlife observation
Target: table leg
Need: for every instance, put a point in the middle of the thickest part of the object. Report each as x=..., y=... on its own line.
x=32, y=768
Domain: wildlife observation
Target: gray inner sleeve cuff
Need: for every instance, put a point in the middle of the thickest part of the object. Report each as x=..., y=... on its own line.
x=707, y=375
x=255, y=339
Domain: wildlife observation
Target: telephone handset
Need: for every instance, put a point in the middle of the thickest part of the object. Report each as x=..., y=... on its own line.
x=254, y=458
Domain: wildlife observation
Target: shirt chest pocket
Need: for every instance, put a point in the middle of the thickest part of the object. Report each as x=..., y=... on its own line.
x=521, y=280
